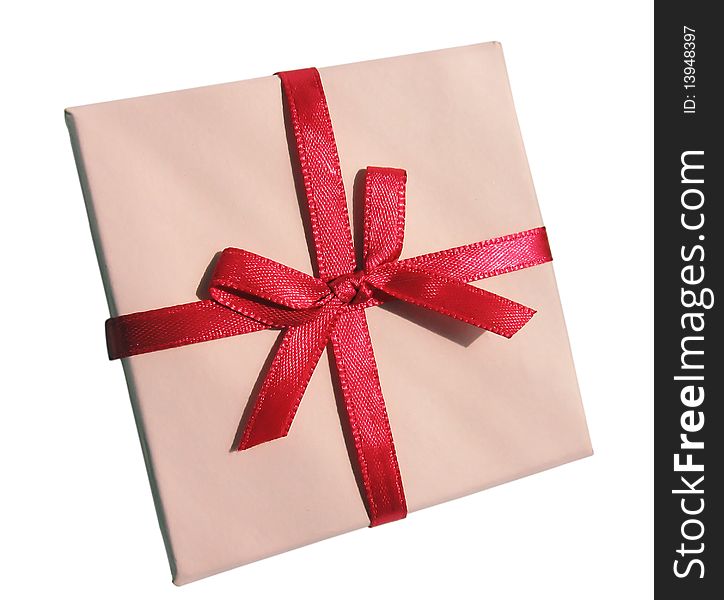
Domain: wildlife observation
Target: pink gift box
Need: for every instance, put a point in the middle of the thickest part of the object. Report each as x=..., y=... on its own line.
x=171, y=179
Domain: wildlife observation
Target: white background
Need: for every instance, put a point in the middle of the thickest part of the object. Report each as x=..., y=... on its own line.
x=77, y=515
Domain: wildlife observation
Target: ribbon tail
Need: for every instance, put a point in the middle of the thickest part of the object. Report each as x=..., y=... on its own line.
x=286, y=380
x=368, y=419
x=457, y=300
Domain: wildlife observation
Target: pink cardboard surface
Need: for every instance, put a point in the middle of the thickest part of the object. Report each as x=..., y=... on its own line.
x=172, y=179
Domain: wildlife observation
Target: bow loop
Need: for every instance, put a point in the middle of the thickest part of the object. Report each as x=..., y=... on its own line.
x=384, y=215
x=453, y=298
x=265, y=290
x=256, y=275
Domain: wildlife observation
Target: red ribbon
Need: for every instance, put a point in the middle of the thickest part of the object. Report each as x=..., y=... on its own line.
x=250, y=292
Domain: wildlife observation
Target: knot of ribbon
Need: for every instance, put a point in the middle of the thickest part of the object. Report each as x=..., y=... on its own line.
x=250, y=292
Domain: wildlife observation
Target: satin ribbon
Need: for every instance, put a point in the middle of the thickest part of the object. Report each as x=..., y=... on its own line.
x=249, y=293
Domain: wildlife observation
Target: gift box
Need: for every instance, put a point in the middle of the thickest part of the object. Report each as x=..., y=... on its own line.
x=272, y=356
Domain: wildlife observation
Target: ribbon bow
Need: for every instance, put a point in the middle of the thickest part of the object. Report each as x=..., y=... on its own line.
x=249, y=292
